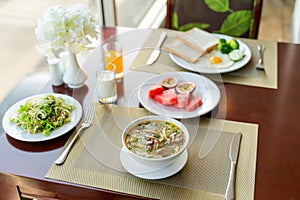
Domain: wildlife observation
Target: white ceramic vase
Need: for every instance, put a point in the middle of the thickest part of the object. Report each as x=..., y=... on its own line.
x=74, y=75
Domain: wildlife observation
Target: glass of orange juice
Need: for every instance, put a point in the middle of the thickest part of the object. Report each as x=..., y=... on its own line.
x=112, y=54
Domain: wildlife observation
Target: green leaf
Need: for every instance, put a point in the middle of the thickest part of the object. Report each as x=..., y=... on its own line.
x=189, y=26
x=236, y=23
x=251, y=28
x=218, y=5
x=174, y=21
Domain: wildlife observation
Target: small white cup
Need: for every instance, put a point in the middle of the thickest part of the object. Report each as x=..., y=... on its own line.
x=106, y=88
x=56, y=73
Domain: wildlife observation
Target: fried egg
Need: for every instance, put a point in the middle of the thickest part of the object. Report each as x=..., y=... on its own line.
x=219, y=60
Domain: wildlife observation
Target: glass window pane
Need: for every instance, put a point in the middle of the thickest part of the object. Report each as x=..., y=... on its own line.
x=131, y=12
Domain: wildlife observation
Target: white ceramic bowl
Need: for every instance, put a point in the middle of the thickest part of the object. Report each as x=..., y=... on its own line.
x=156, y=161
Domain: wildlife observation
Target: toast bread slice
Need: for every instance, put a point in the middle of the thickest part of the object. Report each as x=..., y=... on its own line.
x=198, y=39
x=184, y=51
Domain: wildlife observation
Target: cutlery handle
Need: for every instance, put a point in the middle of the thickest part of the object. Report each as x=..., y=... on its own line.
x=229, y=195
x=260, y=54
x=161, y=39
x=61, y=159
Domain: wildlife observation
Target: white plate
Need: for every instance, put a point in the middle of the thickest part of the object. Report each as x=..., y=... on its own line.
x=16, y=132
x=202, y=68
x=132, y=165
x=205, y=88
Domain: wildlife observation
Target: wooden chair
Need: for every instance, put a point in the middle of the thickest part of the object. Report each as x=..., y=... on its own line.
x=239, y=18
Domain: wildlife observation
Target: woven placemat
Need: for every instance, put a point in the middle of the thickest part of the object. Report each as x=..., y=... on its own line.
x=95, y=160
x=247, y=75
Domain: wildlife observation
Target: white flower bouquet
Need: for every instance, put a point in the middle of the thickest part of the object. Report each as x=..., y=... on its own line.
x=68, y=29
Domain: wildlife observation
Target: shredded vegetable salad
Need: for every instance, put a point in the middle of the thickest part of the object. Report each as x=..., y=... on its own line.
x=43, y=114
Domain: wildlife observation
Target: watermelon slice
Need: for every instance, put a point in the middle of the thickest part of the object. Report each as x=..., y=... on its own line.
x=168, y=97
x=155, y=90
x=194, y=103
x=183, y=100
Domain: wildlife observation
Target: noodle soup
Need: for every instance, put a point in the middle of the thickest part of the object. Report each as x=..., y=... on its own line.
x=155, y=138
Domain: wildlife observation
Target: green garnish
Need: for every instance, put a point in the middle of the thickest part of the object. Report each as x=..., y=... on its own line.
x=227, y=46
x=43, y=115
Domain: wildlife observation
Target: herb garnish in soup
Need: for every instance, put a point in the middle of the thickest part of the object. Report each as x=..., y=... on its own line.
x=155, y=139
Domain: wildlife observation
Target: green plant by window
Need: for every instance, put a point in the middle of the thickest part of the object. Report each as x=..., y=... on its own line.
x=237, y=22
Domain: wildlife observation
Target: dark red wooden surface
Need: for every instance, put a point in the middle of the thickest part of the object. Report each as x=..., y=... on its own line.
x=277, y=112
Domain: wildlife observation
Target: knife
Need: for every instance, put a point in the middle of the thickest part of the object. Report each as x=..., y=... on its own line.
x=154, y=55
x=233, y=155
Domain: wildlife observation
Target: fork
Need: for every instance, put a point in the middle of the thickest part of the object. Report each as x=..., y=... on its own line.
x=87, y=121
x=259, y=65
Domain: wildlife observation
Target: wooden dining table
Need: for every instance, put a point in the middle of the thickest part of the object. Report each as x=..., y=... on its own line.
x=23, y=165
